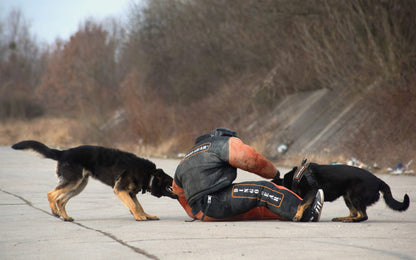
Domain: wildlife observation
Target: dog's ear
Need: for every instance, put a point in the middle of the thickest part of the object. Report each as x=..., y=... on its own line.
x=158, y=173
x=288, y=178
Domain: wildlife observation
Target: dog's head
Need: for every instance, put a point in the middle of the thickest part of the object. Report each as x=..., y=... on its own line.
x=288, y=178
x=302, y=188
x=161, y=184
x=287, y=182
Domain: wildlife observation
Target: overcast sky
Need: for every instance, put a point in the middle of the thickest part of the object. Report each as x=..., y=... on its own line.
x=50, y=19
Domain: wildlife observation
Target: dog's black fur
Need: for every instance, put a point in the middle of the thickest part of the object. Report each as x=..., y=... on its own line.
x=126, y=173
x=359, y=187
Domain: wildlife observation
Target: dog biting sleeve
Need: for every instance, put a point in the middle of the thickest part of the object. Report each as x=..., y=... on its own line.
x=246, y=158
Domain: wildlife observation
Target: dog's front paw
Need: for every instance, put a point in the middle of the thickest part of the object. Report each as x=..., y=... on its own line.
x=69, y=219
x=140, y=218
x=296, y=218
x=152, y=217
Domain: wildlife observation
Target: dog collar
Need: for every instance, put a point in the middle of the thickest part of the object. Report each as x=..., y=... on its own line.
x=149, y=186
x=298, y=176
x=303, y=171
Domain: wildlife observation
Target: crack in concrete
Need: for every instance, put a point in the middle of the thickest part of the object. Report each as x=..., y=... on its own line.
x=109, y=235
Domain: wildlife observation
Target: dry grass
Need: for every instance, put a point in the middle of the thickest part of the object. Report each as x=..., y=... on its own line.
x=66, y=132
x=52, y=131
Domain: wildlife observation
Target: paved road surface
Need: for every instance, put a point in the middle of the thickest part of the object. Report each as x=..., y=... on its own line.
x=104, y=229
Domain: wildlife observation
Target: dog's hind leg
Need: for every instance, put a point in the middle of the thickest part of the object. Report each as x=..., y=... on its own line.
x=359, y=204
x=52, y=195
x=55, y=202
x=353, y=211
x=70, y=177
x=356, y=215
x=361, y=216
x=60, y=203
x=65, y=197
x=140, y=208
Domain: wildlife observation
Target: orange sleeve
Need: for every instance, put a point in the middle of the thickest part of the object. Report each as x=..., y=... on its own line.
x=246, y=158
x=182, y=200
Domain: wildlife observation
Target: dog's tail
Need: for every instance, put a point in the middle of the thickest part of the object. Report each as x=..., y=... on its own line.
x=390, y=201
x=38, y=147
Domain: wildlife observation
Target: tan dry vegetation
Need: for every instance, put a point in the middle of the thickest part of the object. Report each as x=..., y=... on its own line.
x=65, y=133
x=51, y=131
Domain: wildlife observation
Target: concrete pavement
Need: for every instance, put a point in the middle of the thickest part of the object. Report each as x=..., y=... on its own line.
x=104, y=229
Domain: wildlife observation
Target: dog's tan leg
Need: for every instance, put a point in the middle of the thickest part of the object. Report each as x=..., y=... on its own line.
x=67, y=194
x=61, y=202
x=355, y=216
x=299, y=212
x=346, y=219
x=61, y=205
x=129, y=203
x=140, y=208
x=52, y=195
x=56, y=204
x=361, y=216
x=302, y=207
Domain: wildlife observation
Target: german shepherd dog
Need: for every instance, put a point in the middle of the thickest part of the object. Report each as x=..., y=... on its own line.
x=359, y=187
x=126, y=173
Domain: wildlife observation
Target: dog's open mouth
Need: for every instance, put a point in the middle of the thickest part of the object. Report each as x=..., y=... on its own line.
x=169, y=189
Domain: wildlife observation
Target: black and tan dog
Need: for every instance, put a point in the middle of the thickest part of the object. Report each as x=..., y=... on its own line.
x=359, y=187
x=125, y=172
